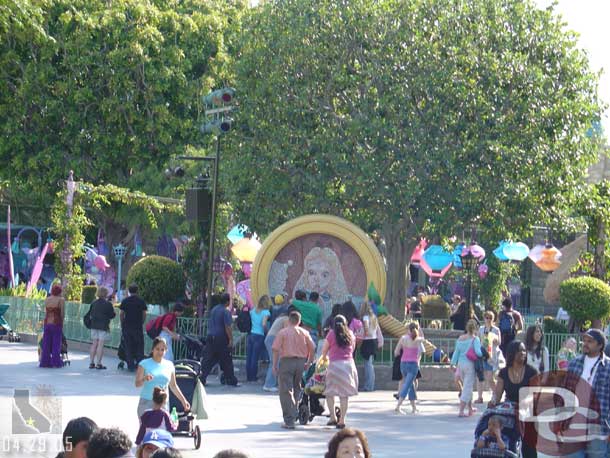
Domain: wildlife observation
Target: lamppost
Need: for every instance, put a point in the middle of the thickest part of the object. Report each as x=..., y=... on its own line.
x=471, y=256
x=119, y=253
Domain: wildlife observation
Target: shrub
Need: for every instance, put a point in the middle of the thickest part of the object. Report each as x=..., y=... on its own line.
x=160, y=280
x=434, y=307
x=552, y=326
x=585, y=298
x=88, y=294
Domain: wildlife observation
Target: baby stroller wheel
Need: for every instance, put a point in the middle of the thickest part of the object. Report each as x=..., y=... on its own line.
x=121, y=365
x=197, y=437
x=304, y=414
x=338, y=413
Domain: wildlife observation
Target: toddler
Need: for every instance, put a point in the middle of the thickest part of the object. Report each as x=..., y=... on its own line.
x=492, y=437
x=566, y=354
x=157, y=417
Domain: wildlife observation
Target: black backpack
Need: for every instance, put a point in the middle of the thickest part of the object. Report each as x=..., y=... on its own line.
x=87, y=319
x=244, y=321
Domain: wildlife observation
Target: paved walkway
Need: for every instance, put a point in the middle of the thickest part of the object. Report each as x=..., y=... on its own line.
x=244, y=418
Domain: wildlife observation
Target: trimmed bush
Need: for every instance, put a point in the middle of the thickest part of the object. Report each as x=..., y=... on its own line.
x=552, y=326
x=88, y=294
x=160, y=280
x=585, y=298
x=434, y=307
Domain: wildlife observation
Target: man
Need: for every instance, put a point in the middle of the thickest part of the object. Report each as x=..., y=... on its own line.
x=133, y=316
x=589, y=377
x=510, y=323
x=219, y=342
x=293, y=352
x=310, y=314
x=109, y=443
x=76, y=437
x=455, y=302
x=416, y=307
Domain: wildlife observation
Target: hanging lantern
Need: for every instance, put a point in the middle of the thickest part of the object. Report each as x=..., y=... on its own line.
x=516, y=251
x=245, y=250
x=436, y=262
x=483, y=270
x=418, y=252
x=499, y=252
x=237, y=233
x=546, y=257
x=471, y=256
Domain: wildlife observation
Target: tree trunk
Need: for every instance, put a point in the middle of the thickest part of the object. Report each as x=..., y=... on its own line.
x=398, y=253
x=600, y=250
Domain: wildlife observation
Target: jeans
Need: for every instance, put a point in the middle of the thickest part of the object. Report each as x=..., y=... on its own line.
x=409, y=372
x=254, y=347
x=270, y=379
x=369, y=374
x=596, y=448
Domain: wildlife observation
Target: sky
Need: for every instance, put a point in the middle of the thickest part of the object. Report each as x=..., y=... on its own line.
x=590, y=19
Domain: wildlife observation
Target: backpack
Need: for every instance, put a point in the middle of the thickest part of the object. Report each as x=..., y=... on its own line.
x=87, y=319
x=244, y=321
x=153, y=327
x=507, y=324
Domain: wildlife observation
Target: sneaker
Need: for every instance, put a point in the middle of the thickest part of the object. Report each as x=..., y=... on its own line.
x=271, y=389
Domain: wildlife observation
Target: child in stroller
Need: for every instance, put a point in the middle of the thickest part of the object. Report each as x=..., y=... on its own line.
x=497, y=433
x=311, y=403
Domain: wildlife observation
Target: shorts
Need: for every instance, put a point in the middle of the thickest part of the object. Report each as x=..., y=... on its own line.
x=98, y=334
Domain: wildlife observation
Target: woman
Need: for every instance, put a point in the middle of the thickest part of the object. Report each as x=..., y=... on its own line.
x=466, y=346
x=328, y=324
x=490, y=340
x=368, y=349
x=516, y=375
x=102, y=313
x=279, y=323
x=461, y=316
x=255, y=341
x=169, y=323
x=157, y=371
x=537, y=353
x=409, y=345
x=341, y=376
x=349, y=311
x=50, y=354
x=348, y=442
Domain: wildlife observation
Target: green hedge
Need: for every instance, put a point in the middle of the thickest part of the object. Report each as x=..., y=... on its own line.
x=88, y=294
x=585, y=298
x=160, y=280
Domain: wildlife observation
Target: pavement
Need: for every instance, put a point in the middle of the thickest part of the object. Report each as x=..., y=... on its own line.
x=245, y=418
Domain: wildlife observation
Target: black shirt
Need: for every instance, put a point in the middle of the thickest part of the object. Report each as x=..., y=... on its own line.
x=512, y=389
x=132, y=307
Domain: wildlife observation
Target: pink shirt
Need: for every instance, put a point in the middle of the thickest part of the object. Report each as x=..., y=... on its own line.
x=410, y=354
x=336, y=352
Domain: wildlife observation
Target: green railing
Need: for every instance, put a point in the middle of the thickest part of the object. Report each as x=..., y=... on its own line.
x=26, y=316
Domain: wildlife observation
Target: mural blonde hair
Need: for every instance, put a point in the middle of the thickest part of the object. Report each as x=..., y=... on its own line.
x=337, y=289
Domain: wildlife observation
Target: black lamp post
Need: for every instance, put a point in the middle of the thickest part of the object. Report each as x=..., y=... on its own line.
x=471, y=256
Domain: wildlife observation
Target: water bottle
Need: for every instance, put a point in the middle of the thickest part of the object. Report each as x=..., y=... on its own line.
x=174, y=415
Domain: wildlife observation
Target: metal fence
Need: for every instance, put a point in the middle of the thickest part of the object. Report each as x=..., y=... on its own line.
x=26, y=316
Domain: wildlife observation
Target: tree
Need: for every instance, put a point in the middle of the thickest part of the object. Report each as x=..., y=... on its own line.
x=409, y=117
x=106, y=88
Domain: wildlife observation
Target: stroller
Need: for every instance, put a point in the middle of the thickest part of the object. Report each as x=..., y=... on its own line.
x=193, y=347
x=5, y=329
x=64, y=351
x=187, y=378
x=510, y=428
x=311, y=403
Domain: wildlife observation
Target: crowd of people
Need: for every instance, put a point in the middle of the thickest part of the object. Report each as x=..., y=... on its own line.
x=294, y=334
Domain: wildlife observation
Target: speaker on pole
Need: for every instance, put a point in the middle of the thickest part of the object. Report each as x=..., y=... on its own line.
x=198, y=204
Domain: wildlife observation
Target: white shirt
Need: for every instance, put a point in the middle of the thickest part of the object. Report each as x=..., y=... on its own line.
x=589, y=368
x=535, y=361
x=372, y=331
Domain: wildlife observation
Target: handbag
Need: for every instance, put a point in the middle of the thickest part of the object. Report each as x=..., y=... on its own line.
x=471, y=354
x=87, y=318
x=396, y=374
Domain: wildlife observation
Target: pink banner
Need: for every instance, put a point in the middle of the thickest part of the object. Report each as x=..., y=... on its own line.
x=37, y=270
x=10, y=249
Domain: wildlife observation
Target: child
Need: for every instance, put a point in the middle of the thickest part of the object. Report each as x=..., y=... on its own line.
x=492, y=437
x=566, y=354
x=157, y=417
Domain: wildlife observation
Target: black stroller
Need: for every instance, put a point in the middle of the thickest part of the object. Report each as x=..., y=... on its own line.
x=187, y=378
x=311, y=403
x=510, y=428
x=65, y=360
x=5, y=328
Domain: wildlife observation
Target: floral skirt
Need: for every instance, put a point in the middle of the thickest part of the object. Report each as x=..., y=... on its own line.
x=341, y=379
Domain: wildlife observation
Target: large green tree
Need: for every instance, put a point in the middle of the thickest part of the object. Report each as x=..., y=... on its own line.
x=106, y=88
x=410, y=117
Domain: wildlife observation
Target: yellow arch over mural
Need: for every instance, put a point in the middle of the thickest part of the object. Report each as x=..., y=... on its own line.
x=334, y=226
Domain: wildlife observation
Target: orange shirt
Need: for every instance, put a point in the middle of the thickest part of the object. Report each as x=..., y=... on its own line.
x=293, y=342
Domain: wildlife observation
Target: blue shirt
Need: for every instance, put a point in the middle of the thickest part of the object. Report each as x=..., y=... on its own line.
x=461, y=348
x=161, y=372
x=257, y=321
x=219, y=318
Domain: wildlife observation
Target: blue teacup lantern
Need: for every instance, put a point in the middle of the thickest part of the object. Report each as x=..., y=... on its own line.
x=516, y=251
x=499, y=252
x=436, y=261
